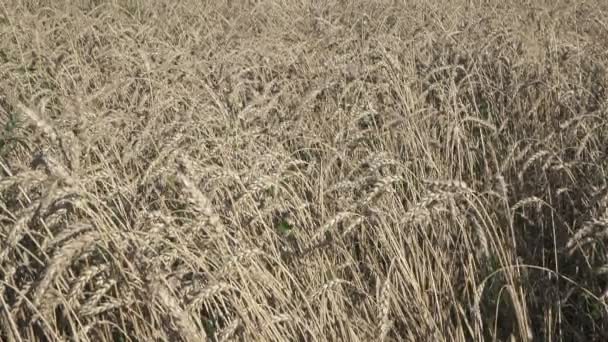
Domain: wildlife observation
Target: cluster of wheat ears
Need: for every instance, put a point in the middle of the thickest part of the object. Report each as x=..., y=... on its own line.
x=337, y=170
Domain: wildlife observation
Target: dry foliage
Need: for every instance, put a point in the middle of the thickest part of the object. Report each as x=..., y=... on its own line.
x=339, y=170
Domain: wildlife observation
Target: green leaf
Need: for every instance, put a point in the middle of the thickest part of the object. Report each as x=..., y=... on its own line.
x=210, y=327
x=285, y=227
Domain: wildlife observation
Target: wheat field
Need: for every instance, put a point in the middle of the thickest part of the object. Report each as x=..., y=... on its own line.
x=303, y=170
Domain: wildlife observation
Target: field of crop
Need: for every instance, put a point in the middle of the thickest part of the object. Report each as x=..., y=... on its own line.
x=304, y=170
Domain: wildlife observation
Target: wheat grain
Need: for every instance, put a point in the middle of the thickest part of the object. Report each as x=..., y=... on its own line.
x=42, y=124
x=201, y=203
x=16, y=232
x=186, y=135
x=330, y=285
x=448, y=186
x=78, y=285
x=101, y=308
x=240, y=258
x=61, y=259
x=385, y=306
x=536, y=156
x=92, y=303
x=66, y=234
x=30, y=177
x=210, y=291
x=379, y=187
x=183, y=321
x=527, y=201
